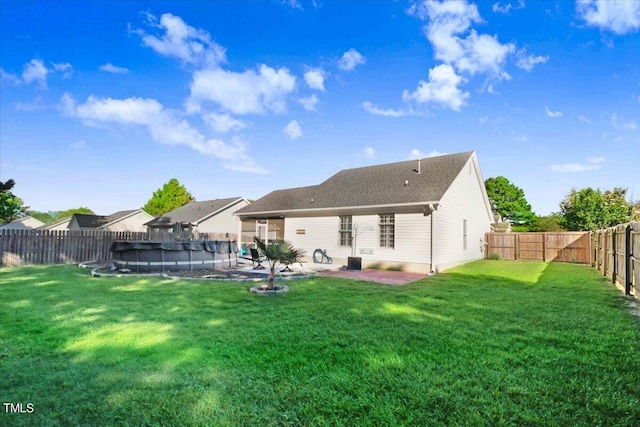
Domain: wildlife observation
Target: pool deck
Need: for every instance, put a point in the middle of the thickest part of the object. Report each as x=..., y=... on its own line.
x=368, y=275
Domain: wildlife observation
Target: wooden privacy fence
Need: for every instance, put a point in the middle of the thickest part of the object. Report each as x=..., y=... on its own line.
x=29, y=247
x=616, y=253
x=560, y=247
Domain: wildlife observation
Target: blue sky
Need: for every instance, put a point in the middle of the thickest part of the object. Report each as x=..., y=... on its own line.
x=104, y=101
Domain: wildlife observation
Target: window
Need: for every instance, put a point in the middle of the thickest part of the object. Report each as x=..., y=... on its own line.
x=464, y=234
x=346, y=226
x=387, y=230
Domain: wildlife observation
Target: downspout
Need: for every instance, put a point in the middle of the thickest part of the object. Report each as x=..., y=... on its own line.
x=432, y=256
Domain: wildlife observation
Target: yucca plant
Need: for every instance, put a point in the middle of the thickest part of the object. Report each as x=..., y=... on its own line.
x=279, y=253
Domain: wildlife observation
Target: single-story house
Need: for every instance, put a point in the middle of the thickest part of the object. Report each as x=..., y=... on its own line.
x=24, y=223
x=422, y=215
x=61, y=225
x=131, y=220
x=214, y=217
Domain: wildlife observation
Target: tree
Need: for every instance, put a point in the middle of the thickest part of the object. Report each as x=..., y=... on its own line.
x=634, y=210
x=590, y=209
x=509, y=201
x=54, y=216
x=551, y=222
x=171, y=196
x=281, y=252
x=11, y=206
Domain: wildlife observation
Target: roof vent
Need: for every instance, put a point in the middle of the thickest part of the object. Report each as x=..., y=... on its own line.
x=417, y=170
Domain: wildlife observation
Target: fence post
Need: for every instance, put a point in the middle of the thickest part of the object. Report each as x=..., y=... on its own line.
x=614, y=250
x=627, y=260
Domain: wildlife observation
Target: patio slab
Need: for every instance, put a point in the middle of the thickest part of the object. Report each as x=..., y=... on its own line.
x=379, y=276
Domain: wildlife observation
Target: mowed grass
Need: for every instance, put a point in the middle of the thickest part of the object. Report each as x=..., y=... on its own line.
x=489, y=343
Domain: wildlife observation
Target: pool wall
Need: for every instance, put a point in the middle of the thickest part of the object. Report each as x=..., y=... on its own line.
x=155, y=256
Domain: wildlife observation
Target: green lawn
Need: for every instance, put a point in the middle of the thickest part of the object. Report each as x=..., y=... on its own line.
x=489, y=343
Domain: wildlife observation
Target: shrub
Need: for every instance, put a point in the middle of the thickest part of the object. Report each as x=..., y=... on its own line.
x=494, y=257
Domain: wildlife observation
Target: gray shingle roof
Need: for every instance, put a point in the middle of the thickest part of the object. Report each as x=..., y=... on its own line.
x=369, y=186
x=97, y=221
x=192, y=213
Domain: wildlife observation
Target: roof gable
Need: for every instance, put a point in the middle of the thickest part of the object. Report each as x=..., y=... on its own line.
x=97, y=221
x=397, y=183
x=194, y=212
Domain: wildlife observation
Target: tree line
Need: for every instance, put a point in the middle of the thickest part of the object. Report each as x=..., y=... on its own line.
x=580, y=210
x=170, y=196
x=587, y=209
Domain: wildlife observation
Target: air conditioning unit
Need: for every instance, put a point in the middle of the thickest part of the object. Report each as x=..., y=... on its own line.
x=354, y=263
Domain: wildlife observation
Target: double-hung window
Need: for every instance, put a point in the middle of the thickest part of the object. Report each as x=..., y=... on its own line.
x=387, y=230
x=346, y=228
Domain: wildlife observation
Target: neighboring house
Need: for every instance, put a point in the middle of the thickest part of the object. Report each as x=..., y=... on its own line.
x=421, y=215
x=132, y=220
x=214, y=217
x=61, y=225
x=25, y=223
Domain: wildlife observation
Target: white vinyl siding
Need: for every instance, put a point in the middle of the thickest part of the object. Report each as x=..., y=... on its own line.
x=411, y=243
x=222, y=222
x=463, y=200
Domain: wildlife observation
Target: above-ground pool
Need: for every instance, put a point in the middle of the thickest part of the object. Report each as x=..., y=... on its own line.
x=151, y=256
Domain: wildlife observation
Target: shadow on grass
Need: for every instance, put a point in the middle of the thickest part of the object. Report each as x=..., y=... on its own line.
x=467, y=347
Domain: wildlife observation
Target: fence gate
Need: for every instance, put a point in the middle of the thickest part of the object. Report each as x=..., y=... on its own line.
x=572, y=247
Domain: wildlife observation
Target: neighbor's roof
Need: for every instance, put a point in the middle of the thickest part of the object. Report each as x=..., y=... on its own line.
x=97, y=221
x=194, y=212
x=381, y=185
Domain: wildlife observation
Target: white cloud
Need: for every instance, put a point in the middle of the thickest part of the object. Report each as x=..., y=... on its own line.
x=223, y=122
x=448, y=22
x=78, y=145
x=110, y=68
x=463, y=48
x=35, y=72
x=596, y=159
x=309, y=102
x=253, y=91
x=369, y=152
x=593, y=163
x=574, y=167
x=12, y=79
x=65, y=68
x=527, y=62
x=350, y=59
x=35, y=105
x=417, y=154
x=165, y=126
x=508, y=7
x=621, y=125
x=192, y=46
x=293, y=130
x=585, y=119
x=369, y=107
x=314, y=78
x=442, y=88
x=552, y=113
x=619, y=17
